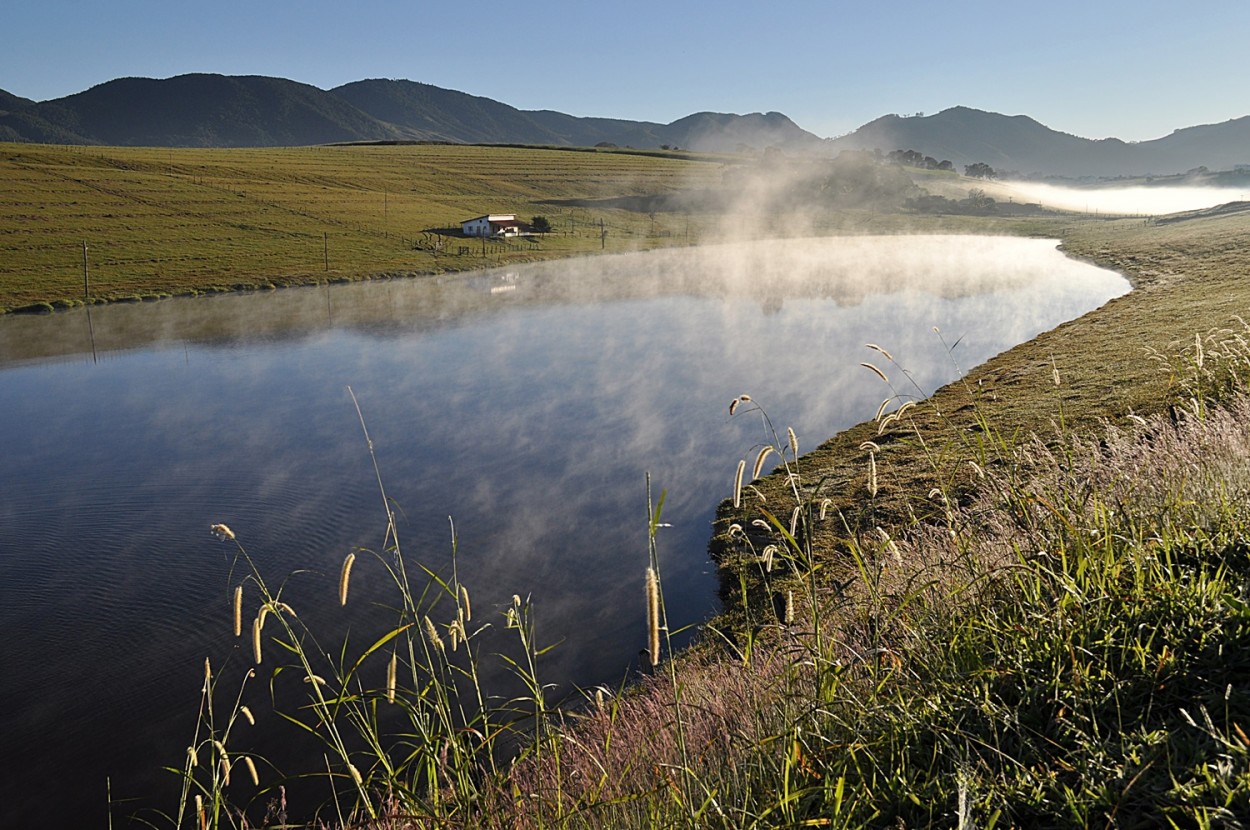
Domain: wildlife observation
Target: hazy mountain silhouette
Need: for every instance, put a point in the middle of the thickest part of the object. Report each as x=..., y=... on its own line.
x=202, y=110
x=1018, y=143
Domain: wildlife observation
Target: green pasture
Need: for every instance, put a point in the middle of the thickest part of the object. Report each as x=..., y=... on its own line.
x=160, y=221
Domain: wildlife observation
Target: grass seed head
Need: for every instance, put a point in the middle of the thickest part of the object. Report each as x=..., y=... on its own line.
x=742, y=465
x=881, y=409
x=251, y=770
x=345, y=577
x=256, y=627
x=653, y=616
x=882, y=351
x=876, y=371
x=391, y=672
x=432, y=634
x=759, y=462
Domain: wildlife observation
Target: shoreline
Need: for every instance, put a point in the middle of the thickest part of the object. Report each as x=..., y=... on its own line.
x=1102, y=358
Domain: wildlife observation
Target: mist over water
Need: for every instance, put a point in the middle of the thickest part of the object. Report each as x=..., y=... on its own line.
x=1132, y=201
x=529, y=404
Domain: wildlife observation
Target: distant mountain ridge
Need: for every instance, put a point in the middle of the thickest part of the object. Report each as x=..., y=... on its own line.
x=1018, y=143
x=203, y=110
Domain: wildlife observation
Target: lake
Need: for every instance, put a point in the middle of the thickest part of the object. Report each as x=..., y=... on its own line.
x=528, y=405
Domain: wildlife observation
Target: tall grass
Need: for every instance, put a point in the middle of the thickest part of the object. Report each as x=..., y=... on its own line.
x=1058, y=635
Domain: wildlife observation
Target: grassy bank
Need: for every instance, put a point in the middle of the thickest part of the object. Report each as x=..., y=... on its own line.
x=1189, y=278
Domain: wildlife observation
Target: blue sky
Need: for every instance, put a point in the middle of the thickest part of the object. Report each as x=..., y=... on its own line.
x=1135, y=70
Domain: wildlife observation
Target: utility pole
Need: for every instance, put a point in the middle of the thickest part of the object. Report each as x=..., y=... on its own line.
x=325, y=248
x=86, y=282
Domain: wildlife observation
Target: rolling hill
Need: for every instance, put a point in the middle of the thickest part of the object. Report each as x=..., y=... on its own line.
x=201, y=110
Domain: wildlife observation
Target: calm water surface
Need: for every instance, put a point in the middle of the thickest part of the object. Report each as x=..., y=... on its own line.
x=527, y=404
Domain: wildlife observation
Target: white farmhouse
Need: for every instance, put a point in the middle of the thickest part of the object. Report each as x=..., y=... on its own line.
x=493, y=224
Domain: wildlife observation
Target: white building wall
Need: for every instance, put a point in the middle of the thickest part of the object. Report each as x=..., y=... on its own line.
x=481, y=226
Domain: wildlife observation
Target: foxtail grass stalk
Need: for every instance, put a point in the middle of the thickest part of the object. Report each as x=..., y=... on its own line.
x=742, y=465
x=876, y=371
x=391, y=671
x=345, y=577
x=759, y=462
x=256, y=626
x=432, y=633
x=653, y=616
x=251, y=770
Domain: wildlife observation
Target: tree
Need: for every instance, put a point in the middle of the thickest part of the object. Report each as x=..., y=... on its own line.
x=980, y=170
x=907, y=158
x=978, y=201
x=540, y=224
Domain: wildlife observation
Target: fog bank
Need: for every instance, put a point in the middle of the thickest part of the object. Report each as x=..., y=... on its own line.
x=1138, y=200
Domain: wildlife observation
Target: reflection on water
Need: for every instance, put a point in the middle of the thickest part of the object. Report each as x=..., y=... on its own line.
x=527, y=404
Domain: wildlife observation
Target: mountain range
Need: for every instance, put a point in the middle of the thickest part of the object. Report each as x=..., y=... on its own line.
x=202, y=110
x=1018, y=143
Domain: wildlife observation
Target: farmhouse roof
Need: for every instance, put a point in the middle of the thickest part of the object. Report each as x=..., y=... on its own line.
x=497, y=218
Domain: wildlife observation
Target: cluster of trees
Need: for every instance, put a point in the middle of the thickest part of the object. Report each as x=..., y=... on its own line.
x=976, y=203
x=980, y=170
x=911, y=158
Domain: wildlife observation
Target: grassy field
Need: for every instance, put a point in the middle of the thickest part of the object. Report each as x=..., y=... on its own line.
x=161, y=222
x=1018, y=602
